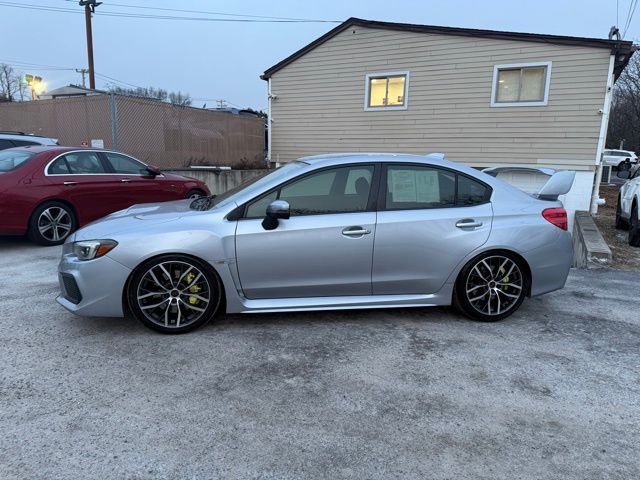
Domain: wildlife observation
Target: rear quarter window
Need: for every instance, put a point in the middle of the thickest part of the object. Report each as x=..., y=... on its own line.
x=13, y=159
x=472, y=192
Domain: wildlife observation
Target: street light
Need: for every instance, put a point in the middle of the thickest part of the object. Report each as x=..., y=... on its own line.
x=36, y=84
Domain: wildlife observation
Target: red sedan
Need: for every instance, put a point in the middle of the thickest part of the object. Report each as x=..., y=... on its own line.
x=48, y=192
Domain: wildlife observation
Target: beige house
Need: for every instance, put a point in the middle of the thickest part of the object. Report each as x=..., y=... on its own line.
x=484, y=98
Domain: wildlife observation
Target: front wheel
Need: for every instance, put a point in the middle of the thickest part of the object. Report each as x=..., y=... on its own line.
x=621, y=223
x=51, y=223
x=194, y=193
x=491, y=286
x=634, y=228
x=174, y=293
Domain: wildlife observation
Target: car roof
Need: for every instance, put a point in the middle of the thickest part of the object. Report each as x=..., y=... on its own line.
x=26, y=137
x=432, y=159
x=435, y=159
x=53, y=148
x=619, y=150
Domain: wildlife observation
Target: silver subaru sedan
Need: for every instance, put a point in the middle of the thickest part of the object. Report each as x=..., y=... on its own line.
x=347, y=231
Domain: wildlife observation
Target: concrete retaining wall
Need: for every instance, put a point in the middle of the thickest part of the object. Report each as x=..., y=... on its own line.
x=589, y=247
x=219, y=181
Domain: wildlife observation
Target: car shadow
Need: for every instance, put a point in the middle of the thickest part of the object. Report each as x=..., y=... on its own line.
x=372, y=317
x=324, y=317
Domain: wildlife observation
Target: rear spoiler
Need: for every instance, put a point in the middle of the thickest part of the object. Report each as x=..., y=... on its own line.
x=559, y=183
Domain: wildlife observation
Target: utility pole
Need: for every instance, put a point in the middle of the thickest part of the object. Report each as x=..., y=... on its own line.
x=83, y=72
x=89, y=8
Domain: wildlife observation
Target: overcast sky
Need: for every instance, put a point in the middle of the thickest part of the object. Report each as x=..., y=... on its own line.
x=215, y=60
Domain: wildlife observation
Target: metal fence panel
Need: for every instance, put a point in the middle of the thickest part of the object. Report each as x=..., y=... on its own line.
x=166, y=135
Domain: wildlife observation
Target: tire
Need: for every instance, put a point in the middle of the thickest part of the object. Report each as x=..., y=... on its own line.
x=491, y=287
x=194, y=193
x=51, y=223
x=634, y=228
x=187, y=293
x=621, y=223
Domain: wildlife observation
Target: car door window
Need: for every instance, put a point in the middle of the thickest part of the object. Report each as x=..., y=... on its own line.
x=84, y=163
x=338, y=190
x=327, y=191
x=4, y=144
x=411, y=187
x=258, y=208
x=125, y=165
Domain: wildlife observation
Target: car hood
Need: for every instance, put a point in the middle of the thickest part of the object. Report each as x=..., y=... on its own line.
x=141, y=216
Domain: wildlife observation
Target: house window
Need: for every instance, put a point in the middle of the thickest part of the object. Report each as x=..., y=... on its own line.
x=386, y=91
x=524, y=84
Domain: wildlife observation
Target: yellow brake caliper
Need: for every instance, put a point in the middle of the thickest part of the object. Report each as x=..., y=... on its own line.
x=504, y=279
x=193, y=289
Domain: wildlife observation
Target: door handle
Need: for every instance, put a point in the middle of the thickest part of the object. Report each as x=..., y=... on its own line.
x=355, y=231
x=70, y=183
x=468, y=223
x=125, y=180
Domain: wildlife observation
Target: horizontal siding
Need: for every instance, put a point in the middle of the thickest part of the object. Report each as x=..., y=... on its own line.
x=320, y=97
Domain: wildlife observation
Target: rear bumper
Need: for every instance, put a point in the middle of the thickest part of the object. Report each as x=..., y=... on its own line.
x=98, y=286
x=550, y=265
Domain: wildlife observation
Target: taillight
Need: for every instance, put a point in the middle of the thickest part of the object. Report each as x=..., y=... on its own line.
x=557, y=216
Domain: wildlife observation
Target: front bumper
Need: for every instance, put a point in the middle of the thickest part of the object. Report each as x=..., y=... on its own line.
x=98, y=286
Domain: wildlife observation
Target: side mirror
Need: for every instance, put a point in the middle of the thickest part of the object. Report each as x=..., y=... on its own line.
x=153, y=171
x=276, y=210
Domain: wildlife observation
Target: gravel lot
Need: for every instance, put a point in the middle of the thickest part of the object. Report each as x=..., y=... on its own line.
x=553, y=392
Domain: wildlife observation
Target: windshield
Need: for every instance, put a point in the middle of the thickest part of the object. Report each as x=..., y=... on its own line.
x=255, y=184
x=12, y=159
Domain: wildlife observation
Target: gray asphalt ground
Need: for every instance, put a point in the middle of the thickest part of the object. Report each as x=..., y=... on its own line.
x=553, y=392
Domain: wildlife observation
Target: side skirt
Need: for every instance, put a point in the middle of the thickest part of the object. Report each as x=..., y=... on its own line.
x=344, y=303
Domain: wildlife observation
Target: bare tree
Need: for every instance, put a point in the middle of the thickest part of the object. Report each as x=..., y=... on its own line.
x=624, y=120
x=177, y=98
x=10, y=83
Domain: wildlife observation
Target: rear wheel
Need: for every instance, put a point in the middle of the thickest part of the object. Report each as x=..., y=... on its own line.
x=491, y=286
x=634, y=229
x=174, y=293
x=51, y=223
x=195, y=193
x=621, y=223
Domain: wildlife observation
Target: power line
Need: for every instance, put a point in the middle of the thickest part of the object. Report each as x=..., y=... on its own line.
x=107, y=77
x=632, y=9
x=40, y=66
x=34, y=65
x=205, y=12
x=28, y=6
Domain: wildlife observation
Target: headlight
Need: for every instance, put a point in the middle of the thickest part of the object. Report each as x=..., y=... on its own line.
x=90, y=249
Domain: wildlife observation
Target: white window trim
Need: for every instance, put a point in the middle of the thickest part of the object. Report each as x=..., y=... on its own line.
x=494, y=85
x=367, y=78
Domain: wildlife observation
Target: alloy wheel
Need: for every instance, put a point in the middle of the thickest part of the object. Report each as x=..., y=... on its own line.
x=494, y=285
x=173, y=294
x=54, y=224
